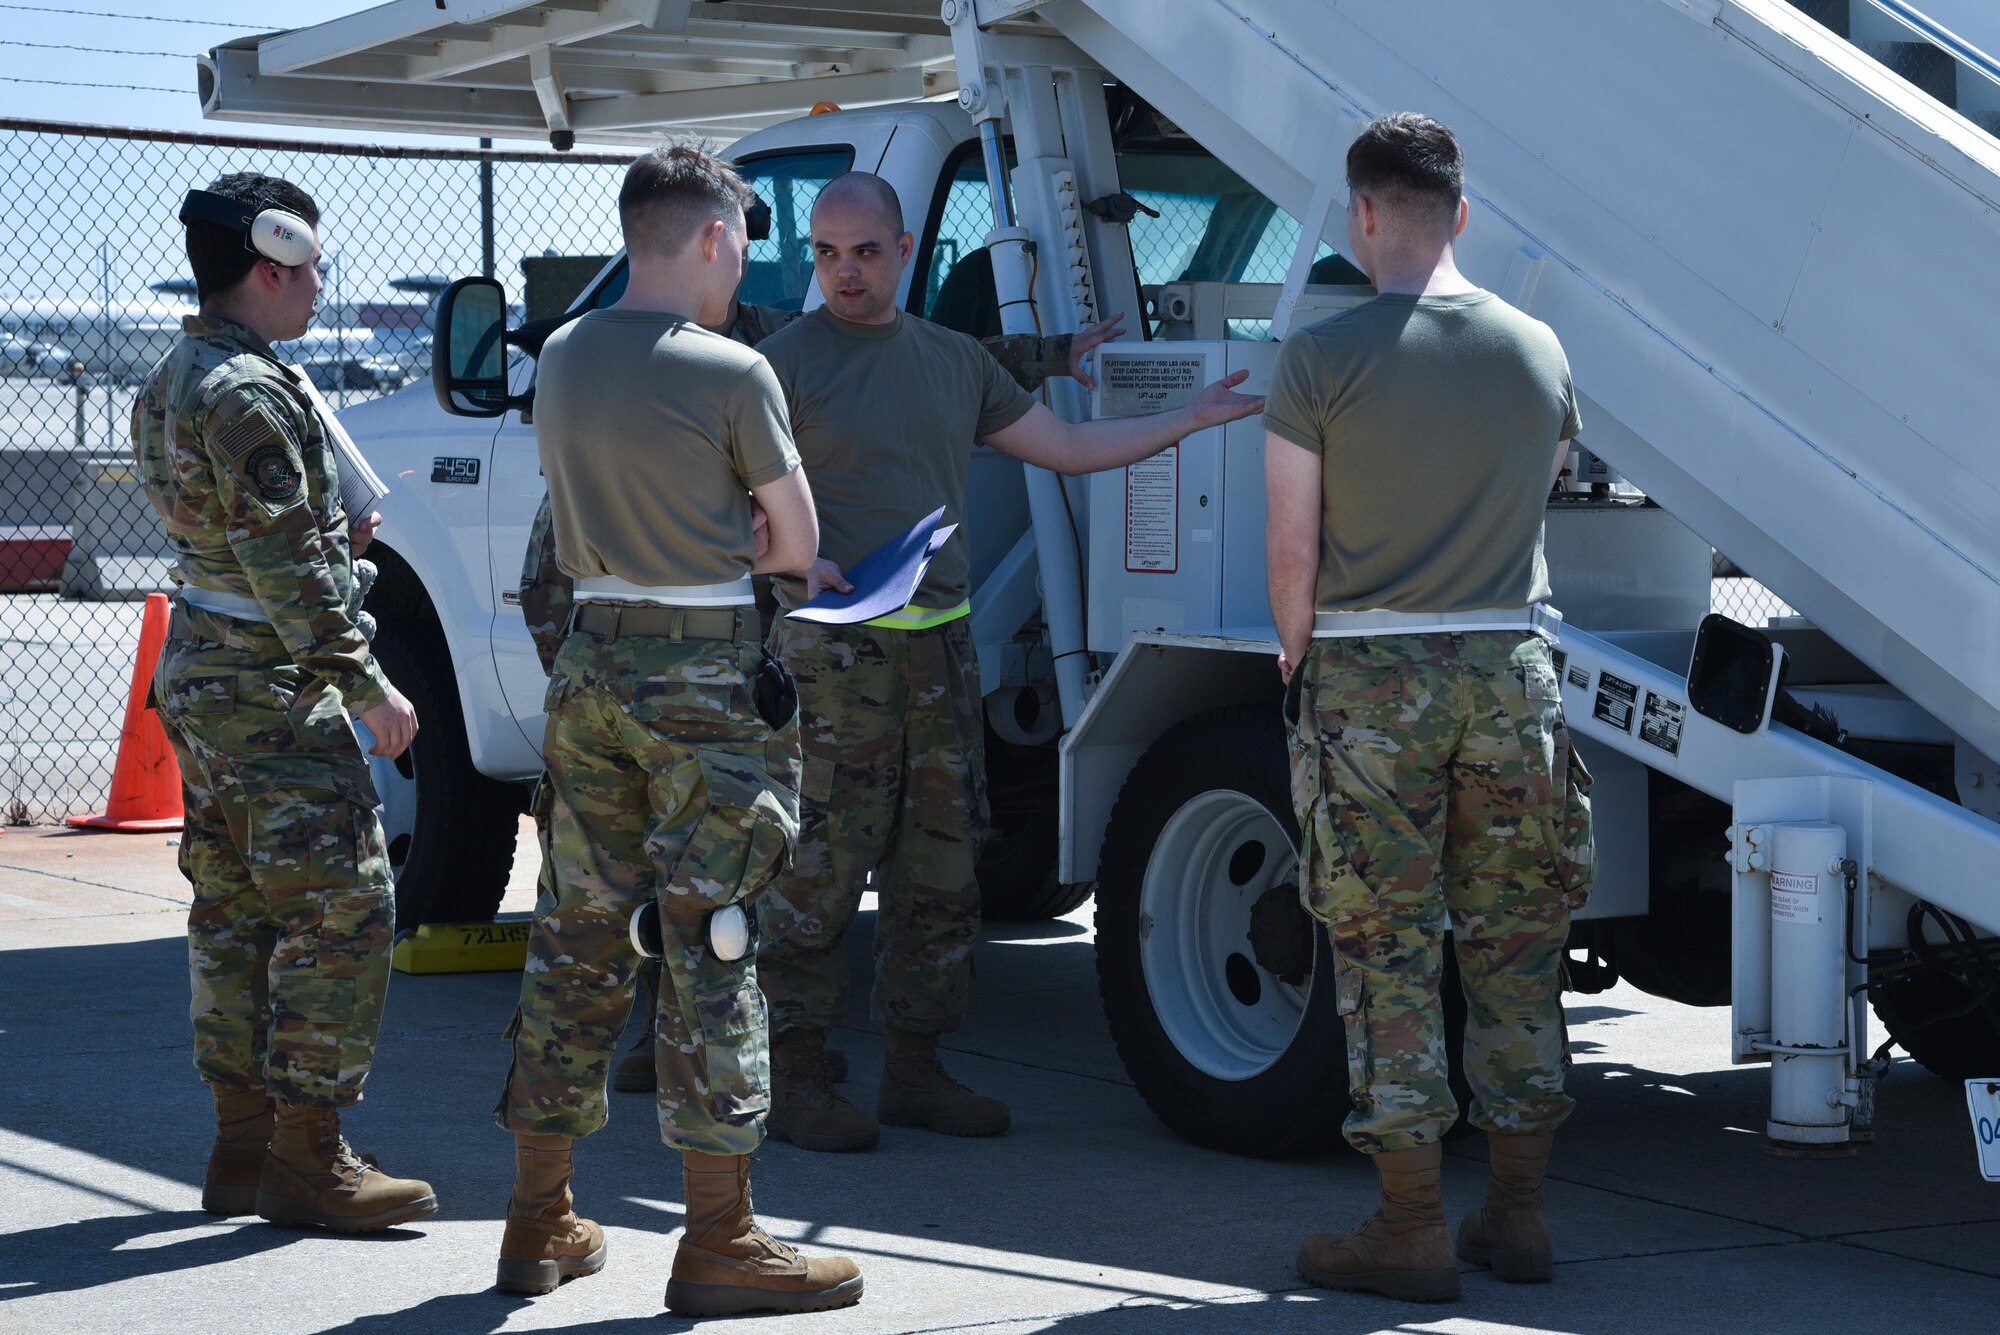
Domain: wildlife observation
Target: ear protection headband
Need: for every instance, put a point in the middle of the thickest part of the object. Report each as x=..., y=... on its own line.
x=283, y=238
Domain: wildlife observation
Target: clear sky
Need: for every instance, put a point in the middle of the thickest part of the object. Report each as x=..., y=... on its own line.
x=384, y=219
x=51, y=49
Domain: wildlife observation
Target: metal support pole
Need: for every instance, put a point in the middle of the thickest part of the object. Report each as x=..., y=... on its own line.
x=995, y=156
x=486, y=264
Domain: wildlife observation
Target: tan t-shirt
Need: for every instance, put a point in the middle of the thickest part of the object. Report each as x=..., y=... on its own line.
x=1436, y=421
x=885, y=416
x=652, y=431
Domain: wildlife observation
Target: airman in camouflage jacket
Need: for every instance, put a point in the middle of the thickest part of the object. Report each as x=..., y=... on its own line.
x=288, y=936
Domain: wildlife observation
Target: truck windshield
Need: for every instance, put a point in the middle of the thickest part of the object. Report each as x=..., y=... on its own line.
x=1213, y=227
x=779, y=268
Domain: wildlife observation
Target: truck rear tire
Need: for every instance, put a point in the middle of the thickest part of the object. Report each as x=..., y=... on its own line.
x=450, y=829
x=1017, y=866
x=1940, y=1023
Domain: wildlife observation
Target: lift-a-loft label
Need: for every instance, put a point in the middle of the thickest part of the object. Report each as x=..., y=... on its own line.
x=1617, y=701
x=1662, y=722
x=1134, y=386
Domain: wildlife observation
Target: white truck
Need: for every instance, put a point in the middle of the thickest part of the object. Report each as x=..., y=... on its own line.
x=1765, y=233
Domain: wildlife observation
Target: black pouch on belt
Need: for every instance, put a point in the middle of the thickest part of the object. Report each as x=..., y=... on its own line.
x=1295, y=691
x=775, y=694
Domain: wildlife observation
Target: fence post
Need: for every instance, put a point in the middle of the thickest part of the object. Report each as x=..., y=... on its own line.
x=82, y=398
x=486, y=210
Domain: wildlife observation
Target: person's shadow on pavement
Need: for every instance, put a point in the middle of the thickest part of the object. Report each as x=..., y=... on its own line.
x=488, y=1310
x=86, y=1253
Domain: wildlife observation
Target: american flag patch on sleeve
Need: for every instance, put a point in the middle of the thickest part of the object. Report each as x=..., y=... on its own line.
x=255, y=427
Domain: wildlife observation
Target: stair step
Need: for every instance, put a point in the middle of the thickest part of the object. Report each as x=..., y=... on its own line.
x=1932, y=70
x=1829, y=14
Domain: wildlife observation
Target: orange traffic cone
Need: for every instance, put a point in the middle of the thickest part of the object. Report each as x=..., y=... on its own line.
x=146, y=785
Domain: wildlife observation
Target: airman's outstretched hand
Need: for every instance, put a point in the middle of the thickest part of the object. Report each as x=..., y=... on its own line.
x=1220, y=403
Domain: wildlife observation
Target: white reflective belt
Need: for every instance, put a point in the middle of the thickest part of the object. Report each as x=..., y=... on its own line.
x=224, y=604
x=611, y=589
x=1539, y=619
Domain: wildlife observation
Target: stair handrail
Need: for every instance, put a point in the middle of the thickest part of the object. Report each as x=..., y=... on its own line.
x=1941, y=37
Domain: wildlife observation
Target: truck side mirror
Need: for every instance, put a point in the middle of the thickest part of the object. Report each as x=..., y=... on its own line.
x=469, y=349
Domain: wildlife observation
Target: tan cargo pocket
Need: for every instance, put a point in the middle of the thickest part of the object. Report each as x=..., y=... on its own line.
x=816, y=781
x=213, y=694
x=1571, y=837
x=314, y=1009
x=1329, y=887
x=735, y=1049
x=741, y=843
x=1353, y=1006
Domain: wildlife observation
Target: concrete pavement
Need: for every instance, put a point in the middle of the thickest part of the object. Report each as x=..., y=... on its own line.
x=1089, y=1218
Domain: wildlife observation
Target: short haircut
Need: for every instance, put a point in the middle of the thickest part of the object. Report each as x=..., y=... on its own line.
x=1409, y=164
x=221, y=257
x=671, y=193
x=868, y=191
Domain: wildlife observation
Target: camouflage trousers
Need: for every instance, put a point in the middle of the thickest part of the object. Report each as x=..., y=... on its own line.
x=288, y=937
x=1432, y=779
x=895, y=785
x=664, y=784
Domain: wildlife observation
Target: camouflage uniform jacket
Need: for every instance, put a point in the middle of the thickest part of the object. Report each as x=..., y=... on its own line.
x=236, y=462
x=546, y=592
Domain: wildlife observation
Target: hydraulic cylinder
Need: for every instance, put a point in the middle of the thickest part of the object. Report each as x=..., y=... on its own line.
x=1809, y=1049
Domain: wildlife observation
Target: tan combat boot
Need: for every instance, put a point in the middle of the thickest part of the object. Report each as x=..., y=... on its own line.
x=1403, y=1250
x=545, y=1243
x=312, y=1177
x=1509, y=1233
x=726, y=1264
x=806, y=1109
x=236, y=1161
x=915, y=1091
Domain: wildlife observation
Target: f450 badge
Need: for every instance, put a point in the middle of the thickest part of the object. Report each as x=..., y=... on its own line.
x=455, y=470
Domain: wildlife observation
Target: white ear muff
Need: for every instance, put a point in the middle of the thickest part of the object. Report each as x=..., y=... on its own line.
x=283, y=238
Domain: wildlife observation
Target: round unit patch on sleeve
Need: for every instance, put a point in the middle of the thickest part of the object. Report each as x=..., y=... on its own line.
x=276, y=477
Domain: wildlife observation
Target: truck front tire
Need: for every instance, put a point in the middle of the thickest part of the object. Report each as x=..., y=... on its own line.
x=1227, y=1053
x=450, y=829
x=1217, y=984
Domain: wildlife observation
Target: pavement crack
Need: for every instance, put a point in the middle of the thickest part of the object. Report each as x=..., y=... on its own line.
x=100, y=885
x=1239, y=1298
x=1011, y=1061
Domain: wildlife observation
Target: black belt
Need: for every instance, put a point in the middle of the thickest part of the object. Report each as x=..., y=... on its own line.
x=612, y=620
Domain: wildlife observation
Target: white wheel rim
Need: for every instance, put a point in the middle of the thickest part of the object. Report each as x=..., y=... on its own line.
x=1194, y=947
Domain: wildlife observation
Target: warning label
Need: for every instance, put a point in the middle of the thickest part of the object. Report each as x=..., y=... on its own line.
x=1794, y=898
x=1137, y=385
x=1617, y=701
x=1153, y=514
x=1661, y=723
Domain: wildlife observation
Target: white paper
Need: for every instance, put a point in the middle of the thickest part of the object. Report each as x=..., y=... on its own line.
x=361, y=487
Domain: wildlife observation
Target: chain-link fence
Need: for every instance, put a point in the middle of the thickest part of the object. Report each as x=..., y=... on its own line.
x=93, y=284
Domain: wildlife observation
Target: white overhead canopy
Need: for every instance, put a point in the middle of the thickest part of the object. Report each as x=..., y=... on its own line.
x=606, y=71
